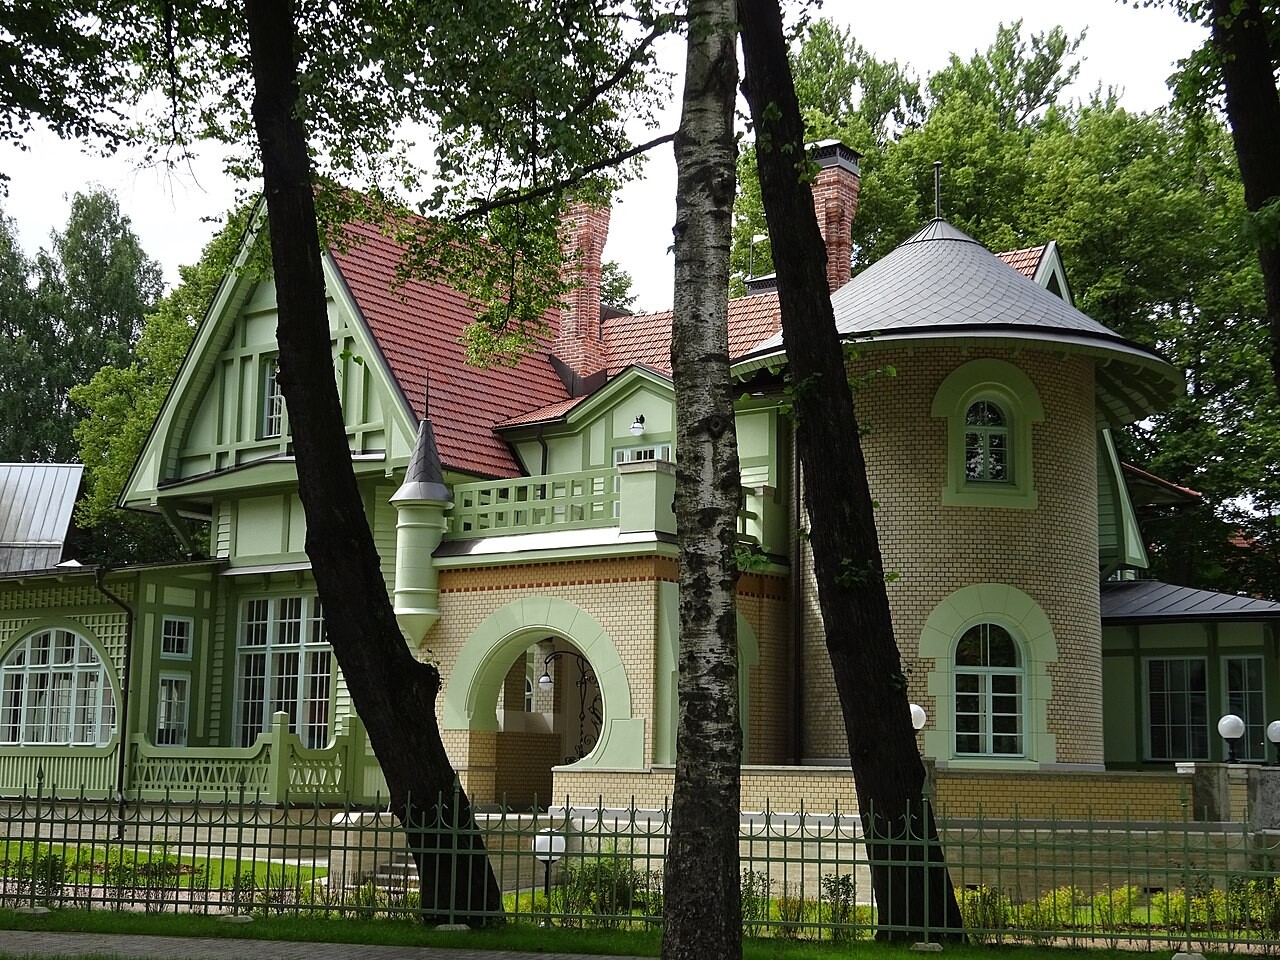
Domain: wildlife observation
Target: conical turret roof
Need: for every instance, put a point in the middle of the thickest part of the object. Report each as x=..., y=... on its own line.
x=941, y=284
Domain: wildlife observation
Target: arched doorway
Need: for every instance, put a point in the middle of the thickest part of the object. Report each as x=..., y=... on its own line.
x=518, y=728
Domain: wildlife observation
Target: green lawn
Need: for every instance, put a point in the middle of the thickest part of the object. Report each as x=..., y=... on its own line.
x=524, y=937
x=105, y=863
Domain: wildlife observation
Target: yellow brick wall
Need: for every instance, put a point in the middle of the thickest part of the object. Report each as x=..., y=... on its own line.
x=524, y=762
x=1064, y=796
x=621, y=594
x=956, y=794
x=763, y=602
x=1049, y=552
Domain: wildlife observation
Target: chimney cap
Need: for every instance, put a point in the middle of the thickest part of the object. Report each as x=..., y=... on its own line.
x=762, y=284
x=835, y=153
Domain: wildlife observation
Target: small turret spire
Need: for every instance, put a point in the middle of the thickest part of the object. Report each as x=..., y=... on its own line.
x=937, y=189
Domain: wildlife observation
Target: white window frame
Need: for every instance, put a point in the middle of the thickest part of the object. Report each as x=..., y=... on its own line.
x=1253, y=745
x=643, y=453
x=173, y=714
x=987, y=677
x=293, y=669
x=77, y=710
x=165, y=634
x=1148, y=720
x=271, y=420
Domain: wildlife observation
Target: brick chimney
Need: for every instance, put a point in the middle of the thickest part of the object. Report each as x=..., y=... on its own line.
x=835, y=201
x=579, y=342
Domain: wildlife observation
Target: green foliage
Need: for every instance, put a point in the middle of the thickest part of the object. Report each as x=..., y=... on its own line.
x=1017, y=78
x=609, y=889
x=1111, y=911
x=60, y=69
x=985, y=912
x=755, y=888
x=838, y=892
x=79, y=305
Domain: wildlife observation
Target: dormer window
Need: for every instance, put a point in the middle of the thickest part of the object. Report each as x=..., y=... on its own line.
x=986, y=443
x=271, y=423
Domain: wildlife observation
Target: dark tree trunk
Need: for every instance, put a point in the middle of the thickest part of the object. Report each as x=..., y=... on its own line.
x=911, y=884
x=393, y=692
x=703, y=914
x=1253, y=108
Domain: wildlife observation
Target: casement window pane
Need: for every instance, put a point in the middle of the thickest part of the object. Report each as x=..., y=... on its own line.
x=55, y=690
x=253, y=630
x=1177, y=708
x=171, y=711
x=285, y=667
x=176, y=637
x=1245, y=697
x=988, y=692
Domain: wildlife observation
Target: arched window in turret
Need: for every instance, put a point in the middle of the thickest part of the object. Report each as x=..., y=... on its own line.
x=986, y=443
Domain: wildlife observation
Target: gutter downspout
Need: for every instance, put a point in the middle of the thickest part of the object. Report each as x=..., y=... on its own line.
x=797, y=608
x=125, y=683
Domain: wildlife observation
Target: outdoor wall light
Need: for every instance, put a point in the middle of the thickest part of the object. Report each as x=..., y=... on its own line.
x=1231, y=729
x=1273, y=734
x=919, y=718
x=637, y=426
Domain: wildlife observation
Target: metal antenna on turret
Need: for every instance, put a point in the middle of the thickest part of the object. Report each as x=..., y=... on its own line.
x=937, y=189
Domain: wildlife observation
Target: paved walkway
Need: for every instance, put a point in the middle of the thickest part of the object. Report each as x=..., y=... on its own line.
x=36, y=943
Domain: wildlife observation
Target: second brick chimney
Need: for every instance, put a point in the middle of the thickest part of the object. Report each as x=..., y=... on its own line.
x=579, y=342
x=835, y=201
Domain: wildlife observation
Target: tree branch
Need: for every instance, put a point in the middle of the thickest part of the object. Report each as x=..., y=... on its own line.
x=518, y=197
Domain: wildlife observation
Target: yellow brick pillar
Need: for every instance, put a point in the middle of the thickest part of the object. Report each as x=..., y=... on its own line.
x=478, y=766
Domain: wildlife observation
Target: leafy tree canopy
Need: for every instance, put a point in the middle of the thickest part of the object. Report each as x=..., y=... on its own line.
x=79, y=305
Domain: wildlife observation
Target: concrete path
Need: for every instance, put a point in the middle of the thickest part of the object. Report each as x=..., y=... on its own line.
x=28, y=943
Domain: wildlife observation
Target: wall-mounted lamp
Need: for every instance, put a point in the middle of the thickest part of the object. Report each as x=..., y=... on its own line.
x=1273, y=734
x=1231, y=729
x=918, y=717
x=637, y=426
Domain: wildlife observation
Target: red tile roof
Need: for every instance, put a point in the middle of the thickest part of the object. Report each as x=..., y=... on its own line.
x=417, y=326
x=645, y=338
x=552, y=411
x=1026, y=261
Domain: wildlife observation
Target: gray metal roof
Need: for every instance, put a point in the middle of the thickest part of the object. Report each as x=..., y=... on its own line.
x=941, y=283
x=36, y=500
x=1145, y=601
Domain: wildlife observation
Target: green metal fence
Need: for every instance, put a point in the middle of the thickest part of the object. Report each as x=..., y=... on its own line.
x=804, y=874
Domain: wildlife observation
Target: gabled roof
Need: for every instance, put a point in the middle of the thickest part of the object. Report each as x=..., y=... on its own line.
x=418, y=325
x=567, y=411
x=1145, y=601
x=1026, y=261
x=1149, y=490
x=36, y=501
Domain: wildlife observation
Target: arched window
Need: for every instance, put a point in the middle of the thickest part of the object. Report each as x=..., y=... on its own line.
x=54, y=689
x=986, y=443
x=988, y=693
x=990, y=407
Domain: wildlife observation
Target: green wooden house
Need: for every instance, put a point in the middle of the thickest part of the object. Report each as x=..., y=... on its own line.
x=523, y=518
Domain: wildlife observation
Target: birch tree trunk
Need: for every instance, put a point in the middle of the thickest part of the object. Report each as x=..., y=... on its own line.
x=393, y=692
x=703, y=914
x=912, y=887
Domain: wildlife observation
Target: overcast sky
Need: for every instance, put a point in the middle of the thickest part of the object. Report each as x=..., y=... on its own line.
x=1132, y=49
